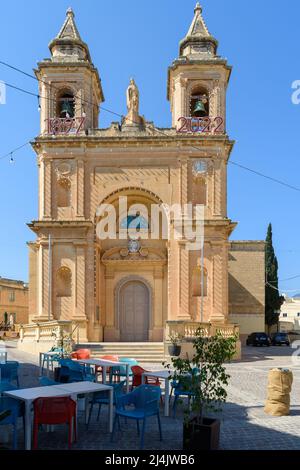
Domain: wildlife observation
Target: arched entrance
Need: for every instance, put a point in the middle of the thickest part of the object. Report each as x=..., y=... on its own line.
x=134, y=311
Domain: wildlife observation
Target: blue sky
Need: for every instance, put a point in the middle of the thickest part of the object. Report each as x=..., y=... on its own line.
x=140, y=39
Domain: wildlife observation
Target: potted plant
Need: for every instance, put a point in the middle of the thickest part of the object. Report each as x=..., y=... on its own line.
x=205, y=377
x=175, y=347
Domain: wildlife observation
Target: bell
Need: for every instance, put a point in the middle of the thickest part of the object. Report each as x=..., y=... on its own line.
x=67, y=109
x=199, y=109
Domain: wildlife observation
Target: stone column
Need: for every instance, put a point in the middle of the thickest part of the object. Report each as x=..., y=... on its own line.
x=220, y=282
x=157, y=307
x=80, y=189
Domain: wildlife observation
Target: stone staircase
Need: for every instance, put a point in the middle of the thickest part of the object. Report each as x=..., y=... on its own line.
x=142, y=352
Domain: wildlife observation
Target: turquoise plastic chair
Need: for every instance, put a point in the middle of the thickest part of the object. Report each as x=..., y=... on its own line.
x=102, y=398
x=120, y=371
x=140, y=404
x=53, y=358
x=16, y=411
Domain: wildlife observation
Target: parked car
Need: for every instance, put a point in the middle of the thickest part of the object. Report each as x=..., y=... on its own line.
x=280, y=338
x=258, y=339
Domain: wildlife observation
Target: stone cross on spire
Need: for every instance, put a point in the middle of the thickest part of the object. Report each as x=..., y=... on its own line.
x=68, y=44
x=69, y=28
x=198, y=38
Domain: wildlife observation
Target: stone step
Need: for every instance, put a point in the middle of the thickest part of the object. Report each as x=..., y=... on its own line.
x=142, y=352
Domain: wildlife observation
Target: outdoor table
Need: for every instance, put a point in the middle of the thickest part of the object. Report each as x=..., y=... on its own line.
x=28, y=395
x=46, y=355
x=105, y=364
x=164, y=375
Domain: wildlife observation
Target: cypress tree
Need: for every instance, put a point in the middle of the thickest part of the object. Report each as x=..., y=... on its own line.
x=273, y=299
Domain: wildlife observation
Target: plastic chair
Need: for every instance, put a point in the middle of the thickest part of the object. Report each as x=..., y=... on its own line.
x=120, y=371
x=140, y=404
x=99, y=369
x=45, y=382
x=81, y=354
x=54, y=410
x=75, y=372
x=102, y=398
x=180, y=388
x=16, y=411
x=53, y=358
x=137, y=372
x=9, y=372
x=6, y=387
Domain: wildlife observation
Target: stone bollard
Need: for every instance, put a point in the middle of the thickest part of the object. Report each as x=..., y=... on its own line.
x=279, y=389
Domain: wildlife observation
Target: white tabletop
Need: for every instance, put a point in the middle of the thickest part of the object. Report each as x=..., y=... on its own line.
x=50, y=353
x=160, y=374
x=37, y=392
x=101, y=362
x=83, y=387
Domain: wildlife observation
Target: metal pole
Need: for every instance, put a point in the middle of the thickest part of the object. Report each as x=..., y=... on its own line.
x=49, y=278
x=202, y=282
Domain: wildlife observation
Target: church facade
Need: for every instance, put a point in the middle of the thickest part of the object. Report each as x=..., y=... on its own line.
x=121, y=288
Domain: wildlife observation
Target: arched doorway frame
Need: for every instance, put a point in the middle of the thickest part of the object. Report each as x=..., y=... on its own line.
x=118, y=288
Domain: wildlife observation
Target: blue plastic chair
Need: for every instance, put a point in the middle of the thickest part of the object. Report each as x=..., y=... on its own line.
x=76, y=372
x=6, y=387
x=140, y=404
x=102, y=398
x=16, y=411
x=9, y=372
x=45, y=382
x=180, y=388
x=120, y=371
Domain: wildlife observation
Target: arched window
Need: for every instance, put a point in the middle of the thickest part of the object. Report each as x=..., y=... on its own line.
x=199, y=104
x=197, y=283
x=136, y=222
x=64, y=282
x=66, y=105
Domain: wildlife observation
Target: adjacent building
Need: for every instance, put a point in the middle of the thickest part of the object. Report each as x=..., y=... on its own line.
x=289, y=319
x=13, y=302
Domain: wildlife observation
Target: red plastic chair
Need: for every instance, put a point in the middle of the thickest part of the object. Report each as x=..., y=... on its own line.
x=137, y=377
x=81, y=354
x=54, y=410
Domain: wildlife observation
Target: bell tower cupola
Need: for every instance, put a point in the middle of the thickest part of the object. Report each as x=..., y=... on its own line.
x=70, y=87
x=198, y=78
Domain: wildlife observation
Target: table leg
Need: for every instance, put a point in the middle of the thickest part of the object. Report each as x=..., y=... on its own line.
x=28, y=424
x=143, y=379
x=104, y=369
x=111, y=410
x=127, y=378
x=167, y=397
x=86, y=407
x=48, y=365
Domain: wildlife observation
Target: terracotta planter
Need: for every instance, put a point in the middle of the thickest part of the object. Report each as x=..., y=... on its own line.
x=174, y=350
x=204, y=436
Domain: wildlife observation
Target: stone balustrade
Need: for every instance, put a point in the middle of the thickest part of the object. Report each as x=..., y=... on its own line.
x=187, y=329
x=40, y=337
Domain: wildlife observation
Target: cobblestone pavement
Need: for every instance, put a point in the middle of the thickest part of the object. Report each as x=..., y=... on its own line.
x=244, y=423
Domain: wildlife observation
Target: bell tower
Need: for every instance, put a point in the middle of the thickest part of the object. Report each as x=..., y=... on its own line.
x=70, y=87
x=198, y=78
